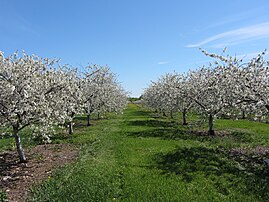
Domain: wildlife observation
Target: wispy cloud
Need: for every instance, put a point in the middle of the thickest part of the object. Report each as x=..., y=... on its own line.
x=162, y=62
x=17, y=24
x=236, y=36
x=26, y=26
x=249, y=56
x=237, y=17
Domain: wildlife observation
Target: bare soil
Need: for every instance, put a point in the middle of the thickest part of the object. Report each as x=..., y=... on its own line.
x=205, y=133
x=254, y=160
x=258, y=154
x=16, y=178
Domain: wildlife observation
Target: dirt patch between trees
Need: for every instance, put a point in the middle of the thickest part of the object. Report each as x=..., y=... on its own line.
x=253, y=160
x=17, y=178
x=205, y=133
x=258, y=155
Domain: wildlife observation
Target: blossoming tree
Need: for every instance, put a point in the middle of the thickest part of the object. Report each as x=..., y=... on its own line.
x=30, y=94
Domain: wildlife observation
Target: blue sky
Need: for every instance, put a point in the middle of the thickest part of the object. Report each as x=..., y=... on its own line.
x=139, y=39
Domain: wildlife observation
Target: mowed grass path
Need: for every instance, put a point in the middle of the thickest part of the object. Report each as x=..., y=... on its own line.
x=137, y=156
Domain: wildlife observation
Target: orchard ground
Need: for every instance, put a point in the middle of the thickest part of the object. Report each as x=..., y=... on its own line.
x=142, y=156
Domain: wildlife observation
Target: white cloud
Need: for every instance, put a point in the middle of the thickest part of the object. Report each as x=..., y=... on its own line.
x=236, y=36
x=239, y=16
x=162, y=62
x=249, y=56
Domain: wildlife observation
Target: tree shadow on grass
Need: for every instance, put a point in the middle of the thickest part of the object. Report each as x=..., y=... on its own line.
x=151, y=123
x=61, y=136
x=171, y=131
x=186, y=161
x=81, y=122
x=140, y=113
x=171, y=134
x=213, y=165
x=81, y=118
x=163, y=133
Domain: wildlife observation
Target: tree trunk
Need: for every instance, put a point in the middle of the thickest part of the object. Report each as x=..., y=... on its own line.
x=171, y=114
x=210, y=125
x=18, y=145
x=267, y=107
x=88, y=120
x=243, y=114
x=70, y=124
x=98, y=115
x=70, y=127
x=184, y=121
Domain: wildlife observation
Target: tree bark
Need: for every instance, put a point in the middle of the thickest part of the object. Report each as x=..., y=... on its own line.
x=70, y=124
x=18, y=145
x=184, y=121
x=70, y=127
x=267, y=107
x=88, y=120
x=243, y=114
x=171, y=114
x=210, y=125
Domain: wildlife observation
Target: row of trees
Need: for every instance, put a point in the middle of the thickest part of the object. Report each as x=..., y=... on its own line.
x=40, y=93
x=224, y=87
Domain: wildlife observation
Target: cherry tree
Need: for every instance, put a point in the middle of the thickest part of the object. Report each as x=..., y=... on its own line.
x=91, y=89
x=150, y=96
x=249, y=81
x=113, y=99
x=162, y=94
x=30, y=94
x=169, y=93
x=72, y=94
x=101, y=92
x=210, y=90
x=184, y=101
x=205, y=88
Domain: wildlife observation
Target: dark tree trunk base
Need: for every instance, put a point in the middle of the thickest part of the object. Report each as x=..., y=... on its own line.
x=23, y=161
x=211, y=132
x=70, y=124
x=70, y=128
x=184, y=121
x=88, y=120
x=18, y=145
x=243, y=115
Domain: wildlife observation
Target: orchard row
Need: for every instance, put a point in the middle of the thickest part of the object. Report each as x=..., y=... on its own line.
x=41, y=93
x=225, y=87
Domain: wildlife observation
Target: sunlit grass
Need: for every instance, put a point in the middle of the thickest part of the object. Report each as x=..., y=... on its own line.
x=141, y=156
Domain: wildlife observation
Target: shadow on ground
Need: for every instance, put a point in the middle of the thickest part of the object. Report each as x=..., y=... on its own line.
x=234, y=138
x=136, y=113
x=213, y=165
x=7, y=161
x=151, y=123
x=173, y=131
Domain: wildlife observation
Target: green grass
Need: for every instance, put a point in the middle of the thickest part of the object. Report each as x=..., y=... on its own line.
x=3, y=197
x=256, y=132
x=140, y=156
x=7, y=142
